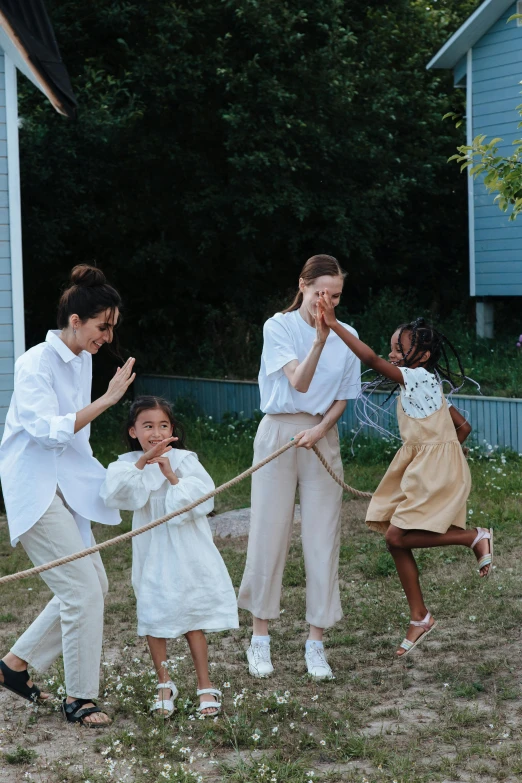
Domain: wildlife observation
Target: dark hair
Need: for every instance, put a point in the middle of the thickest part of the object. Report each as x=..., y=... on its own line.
x=424, y=338
x=148, y=402
x=87, y=294
x=315, y=267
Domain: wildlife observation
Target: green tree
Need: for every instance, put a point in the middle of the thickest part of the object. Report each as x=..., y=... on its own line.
x=219, y=145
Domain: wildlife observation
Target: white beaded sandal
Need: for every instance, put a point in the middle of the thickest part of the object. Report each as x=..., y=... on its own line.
x=165, y=707
x=485, y=560
x=409, y=646
x=207, y=705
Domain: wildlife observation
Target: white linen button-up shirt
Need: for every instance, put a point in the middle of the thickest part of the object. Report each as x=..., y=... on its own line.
x=40, y=451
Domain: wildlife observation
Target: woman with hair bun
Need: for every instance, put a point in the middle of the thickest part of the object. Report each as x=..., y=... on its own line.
x=51, y=483
x=307, y=374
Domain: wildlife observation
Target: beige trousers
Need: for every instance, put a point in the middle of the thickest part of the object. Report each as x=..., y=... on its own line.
x=273, y=498
x=72, y=622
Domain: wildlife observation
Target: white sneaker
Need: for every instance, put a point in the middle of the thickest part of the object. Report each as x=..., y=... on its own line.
x=259, y=663
x=318, y=666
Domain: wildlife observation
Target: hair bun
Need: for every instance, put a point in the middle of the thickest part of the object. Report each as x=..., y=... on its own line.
x=87, y=276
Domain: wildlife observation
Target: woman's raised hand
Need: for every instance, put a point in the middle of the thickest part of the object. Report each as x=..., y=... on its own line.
x=321, y=327
x=326, y=308
x=120, y=383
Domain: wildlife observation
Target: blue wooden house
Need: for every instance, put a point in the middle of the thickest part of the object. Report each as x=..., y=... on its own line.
x=28, y=46
x=485, y=55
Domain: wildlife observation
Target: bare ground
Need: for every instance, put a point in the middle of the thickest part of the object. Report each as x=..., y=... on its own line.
x=450, y=712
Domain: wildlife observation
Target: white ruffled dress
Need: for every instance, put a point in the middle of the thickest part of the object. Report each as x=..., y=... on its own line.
x=178, y=575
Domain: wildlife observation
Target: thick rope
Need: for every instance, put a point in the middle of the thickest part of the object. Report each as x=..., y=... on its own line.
x=357, y=492
x=155, y=523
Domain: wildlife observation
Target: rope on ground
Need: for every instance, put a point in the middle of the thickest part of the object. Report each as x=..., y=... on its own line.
x=155, y=523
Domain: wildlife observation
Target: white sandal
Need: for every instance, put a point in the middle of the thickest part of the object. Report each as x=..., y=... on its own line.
x=207, y=705
x=165, y=704
x=487, y=559
x=409, y=646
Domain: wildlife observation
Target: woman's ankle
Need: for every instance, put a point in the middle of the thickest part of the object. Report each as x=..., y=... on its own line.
x=259, y=627
x=315, y=634
x=14, y=662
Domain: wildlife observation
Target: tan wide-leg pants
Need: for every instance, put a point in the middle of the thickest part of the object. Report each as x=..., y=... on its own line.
x=72, y=622
x=273, y=498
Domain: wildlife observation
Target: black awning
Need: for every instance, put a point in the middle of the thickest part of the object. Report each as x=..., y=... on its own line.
x=32, y=26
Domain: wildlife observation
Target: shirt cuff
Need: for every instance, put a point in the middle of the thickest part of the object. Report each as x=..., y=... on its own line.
x=61, y=428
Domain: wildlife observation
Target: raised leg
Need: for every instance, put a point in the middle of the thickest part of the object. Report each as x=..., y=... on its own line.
x=425, y=539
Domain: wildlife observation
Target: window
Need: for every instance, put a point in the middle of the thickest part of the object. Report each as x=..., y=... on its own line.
x=519, y=11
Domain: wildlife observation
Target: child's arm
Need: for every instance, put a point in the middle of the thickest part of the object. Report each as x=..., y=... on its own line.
x=462, y=426
x=360, y=349
x=124, y=487
x=194, y=482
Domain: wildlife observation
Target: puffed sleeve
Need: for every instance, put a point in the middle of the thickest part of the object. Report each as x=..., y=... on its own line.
x=38, y=409
x=351, y=380
x=278, y=345
x=194, y=482
x=124, y=487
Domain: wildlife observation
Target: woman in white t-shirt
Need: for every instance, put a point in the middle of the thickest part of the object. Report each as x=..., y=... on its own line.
x=307, y=374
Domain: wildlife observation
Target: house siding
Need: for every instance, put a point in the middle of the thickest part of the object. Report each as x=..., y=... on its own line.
x=497, y=72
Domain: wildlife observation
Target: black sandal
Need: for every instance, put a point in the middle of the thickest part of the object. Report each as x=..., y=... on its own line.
x=75, y=712
x=16, y=682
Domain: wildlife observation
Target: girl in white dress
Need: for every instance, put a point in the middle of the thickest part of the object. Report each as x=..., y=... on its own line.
x=181, y=583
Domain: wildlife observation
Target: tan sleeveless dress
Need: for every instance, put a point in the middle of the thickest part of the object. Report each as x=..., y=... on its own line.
x=428, y=482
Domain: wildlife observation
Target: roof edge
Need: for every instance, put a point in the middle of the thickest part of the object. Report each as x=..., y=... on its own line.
x=469, y=33
x=22, y=60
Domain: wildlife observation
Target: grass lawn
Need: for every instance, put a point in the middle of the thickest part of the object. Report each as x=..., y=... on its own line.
x=452, y=711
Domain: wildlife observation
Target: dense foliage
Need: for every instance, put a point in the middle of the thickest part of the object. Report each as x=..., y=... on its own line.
x=219, y=144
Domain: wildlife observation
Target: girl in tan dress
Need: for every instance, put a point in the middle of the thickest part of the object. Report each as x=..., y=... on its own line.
x=421, y=501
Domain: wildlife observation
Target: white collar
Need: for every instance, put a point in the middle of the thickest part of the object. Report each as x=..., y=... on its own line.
x=64, y=352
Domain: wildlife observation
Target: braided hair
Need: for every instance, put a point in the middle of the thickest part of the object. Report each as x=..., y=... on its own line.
x=424, y=338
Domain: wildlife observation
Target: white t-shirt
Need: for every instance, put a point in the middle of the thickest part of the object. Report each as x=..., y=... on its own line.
x=421, y=394
x=287, y=336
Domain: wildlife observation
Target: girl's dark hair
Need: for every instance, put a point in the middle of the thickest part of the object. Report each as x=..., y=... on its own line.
x=87, y=294
x=424, y=338
x=315, y=267
x=148, y=402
